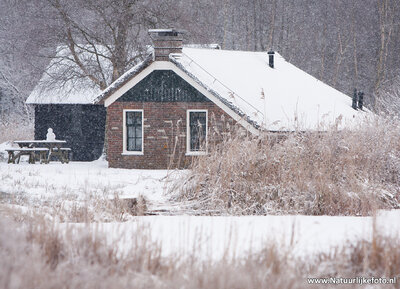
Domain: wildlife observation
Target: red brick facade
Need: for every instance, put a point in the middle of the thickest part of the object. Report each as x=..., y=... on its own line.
x=164, y=133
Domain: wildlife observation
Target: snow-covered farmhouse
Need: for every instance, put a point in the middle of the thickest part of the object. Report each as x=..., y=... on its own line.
x=160, y=112
x=166, y=109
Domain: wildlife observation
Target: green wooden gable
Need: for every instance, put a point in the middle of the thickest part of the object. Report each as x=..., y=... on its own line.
x=163, y=86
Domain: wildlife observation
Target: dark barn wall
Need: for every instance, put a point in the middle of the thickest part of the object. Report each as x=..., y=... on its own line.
x=82, y=126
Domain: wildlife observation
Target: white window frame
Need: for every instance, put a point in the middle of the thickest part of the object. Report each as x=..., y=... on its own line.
x=188, y=151
x=124, y=132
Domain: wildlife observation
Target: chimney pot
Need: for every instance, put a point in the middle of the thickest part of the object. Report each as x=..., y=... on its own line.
x=271, y=55
x=354, y=99
x=165, y=42
x=360, y=100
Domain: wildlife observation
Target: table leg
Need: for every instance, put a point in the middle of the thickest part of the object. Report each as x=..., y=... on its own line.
x=42, y=157
x=11, y=159
x=60, y=154
x=66, y=156
x=32, y=157
x=50, y=153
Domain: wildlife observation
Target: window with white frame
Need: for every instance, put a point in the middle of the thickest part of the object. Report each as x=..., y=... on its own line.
x=196, y=131
x=133, y=131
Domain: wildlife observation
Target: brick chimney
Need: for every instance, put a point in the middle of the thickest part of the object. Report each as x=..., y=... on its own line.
x=166, y=41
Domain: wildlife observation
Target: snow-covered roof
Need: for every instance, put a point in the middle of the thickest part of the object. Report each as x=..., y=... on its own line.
x=277, y=99
x=280, y=98
x=64, y=82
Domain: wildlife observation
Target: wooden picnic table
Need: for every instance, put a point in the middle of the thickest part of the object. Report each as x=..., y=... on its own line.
x=44, y=149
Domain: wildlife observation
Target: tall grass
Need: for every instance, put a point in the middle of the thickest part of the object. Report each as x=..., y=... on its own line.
x=41, y=254
x=347, y=172
x=74, y=208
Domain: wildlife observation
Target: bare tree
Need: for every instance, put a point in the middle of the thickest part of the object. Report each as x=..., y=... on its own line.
x=118, y=26
x=348, y=44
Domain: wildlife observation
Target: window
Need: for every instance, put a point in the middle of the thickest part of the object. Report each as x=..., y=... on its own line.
x=133, y=131
x=196, y=131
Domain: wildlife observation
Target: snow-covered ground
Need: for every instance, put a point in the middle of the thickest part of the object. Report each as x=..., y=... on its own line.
x=205, y=235
x=223, y=236
x=81, y=179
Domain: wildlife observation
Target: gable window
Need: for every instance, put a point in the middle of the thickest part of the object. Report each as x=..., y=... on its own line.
x=196, y=132
x=133, y=132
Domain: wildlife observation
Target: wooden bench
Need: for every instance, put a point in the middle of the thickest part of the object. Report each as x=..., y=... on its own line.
x=63, y=154
x=14, y=154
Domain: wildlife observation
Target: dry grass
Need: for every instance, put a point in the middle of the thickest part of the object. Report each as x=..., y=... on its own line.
x=73, y=208
x=378, y=257
x=38, y=254
x=329, y=173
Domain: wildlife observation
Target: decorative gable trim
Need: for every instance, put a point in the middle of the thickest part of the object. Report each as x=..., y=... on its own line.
x=167, y=65
x=163, y=86
x=157, y=65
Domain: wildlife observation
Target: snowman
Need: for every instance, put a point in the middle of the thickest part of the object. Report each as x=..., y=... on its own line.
x=50, y=136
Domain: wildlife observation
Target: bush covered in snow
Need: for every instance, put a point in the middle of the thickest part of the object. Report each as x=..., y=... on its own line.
x=347, y=172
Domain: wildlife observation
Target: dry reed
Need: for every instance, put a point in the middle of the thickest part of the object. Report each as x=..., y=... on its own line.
x=41, y=254
x=347, y=172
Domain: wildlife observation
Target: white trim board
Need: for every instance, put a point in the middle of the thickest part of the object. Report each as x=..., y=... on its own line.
x=167, y=65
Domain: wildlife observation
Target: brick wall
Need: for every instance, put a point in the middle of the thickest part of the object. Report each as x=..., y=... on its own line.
x=164, y=133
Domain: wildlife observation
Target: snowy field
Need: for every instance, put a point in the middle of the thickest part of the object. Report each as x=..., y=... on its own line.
x=209, y=237
x=220, y=237
x=81, y=180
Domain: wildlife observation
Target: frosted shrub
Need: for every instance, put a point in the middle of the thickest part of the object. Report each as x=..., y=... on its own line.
x=315, y=173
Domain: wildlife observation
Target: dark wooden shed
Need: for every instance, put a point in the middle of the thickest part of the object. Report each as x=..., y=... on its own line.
x=81, y=125
x=64, y=101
